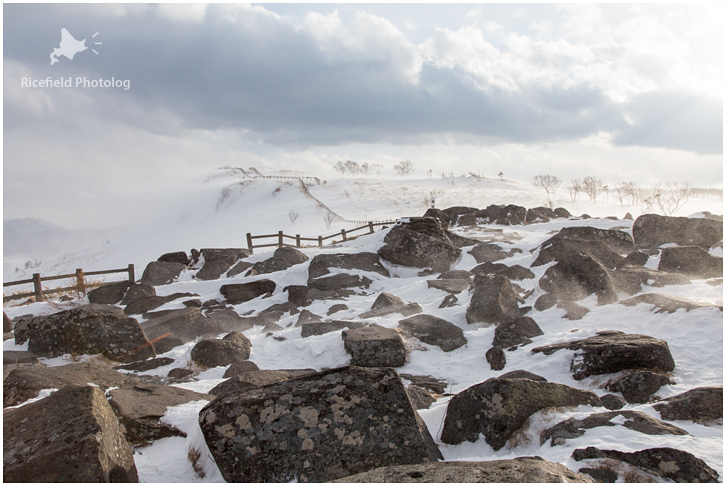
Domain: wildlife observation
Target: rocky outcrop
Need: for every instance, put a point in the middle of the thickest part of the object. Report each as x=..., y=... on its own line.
x=221, y=352
x=519, y=470
x=493, y=298
x=255, y=379
x=513, y=272
x=499, y=407
x=652, y=231
x=664, y=302
x=316, y=428
x=576, y=277
x=161, y=273
x=515, y=331
x=386, y=304
x=613, y=351
x=374, y=346
x=415, y=249
x=71, y=436
x=639, y=386
x=703, y=404
x=691, y=261
x=243, y=292
x=175, y=257
x=89, y=329
x=489, y=252
x=434, y=330
x=111, y=293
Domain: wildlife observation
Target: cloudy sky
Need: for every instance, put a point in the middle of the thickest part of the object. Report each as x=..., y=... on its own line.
x=622, y=92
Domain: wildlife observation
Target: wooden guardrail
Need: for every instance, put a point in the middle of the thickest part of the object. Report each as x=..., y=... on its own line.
x=280, y=237
x=80, y=286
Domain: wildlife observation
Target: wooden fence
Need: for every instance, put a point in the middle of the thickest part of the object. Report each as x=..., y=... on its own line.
x=280, y=237
x=80, y=286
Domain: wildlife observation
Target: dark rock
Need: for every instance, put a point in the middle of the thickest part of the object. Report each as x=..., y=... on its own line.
x=561, y=249
x=386, y=304
x=180, y=373
x=414, y=249
x=504, y=215
x=542, y=214
x=226, y=255
x=238, y=268
x=243, y=292
x=496, y=358
x=139, y=409
x=562, y=213
x=239, y=367
x=435, y=331
x=440, y=215
x=638, y=386
x=336, y=308
x=339, y=281
x=149, y=364
x=489, y=252
x=456, y=212
x=453, y=286
x=456, y=275
x=459, y=241
x=434, y=385
x=7, y=324
x=514, y=272
x=143, y=304
x=320, y=328
x=613, y=351
x=374, y=346
x=692, y=261
x=71, y=436
x=499, y=407
x=493, y=298
x=578, y=276
x=161, y=273
x=271, y=265
x=513, y=331
x=255, y=379
x=600, y=475
x=221, y=352
x=638, y=421
x=320, y=265
x=385, y=299
x=652, y=231
x=316, y=428
x=193, y=303
x=306, y=316
x=175, y=257
x=521, y=470
x=522, y=375
x=111, y=293
x=612, y=402
x=173, y=329
x=297, y=294
x=19, y=357
x=212, y=270
x=545, y=301
x=224, y=320
x=25, y=383
x=136, y=291
x=703, y=404
x=89, y=329
x=448, y=301
x=420, y=398
x=673, y=464
x=575, y=312
x=631, y=280
x=636, y=259
x=292, y=255
x=618, y=241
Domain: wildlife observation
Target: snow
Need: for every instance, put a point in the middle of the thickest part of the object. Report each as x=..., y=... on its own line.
x=695, y=338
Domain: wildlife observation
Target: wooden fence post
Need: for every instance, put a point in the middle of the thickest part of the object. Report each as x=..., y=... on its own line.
x=249, y=243
x=320, y=241
x=370, y=227
x=37, y=287
x=132, y=273
x=81, y=283
x=279, y=244
x=342, y=232
x=297, y=240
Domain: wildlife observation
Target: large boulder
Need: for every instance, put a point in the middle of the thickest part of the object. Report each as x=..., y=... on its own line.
x=560, y=249
x=336, y=283
x=292, y=255
x=255, y=379
x=140, y=408
x=374, y=346
x=175, y=257
x=505, y=215
x=434, y=330
x=613, y=351
x=173, y=329
x=110, y=293
x=639, y=386
x=212, y=270
x=271, y=265
x=161, y=273
x=320, y=265
x=243, y=292
x=404, y=246
x=520, y=470
x=515, y=331
x=226, y=255
x=576, y=277
x=493, y=298
x=136, y=291
x=89, y=329
x=221, y=352
x=490, y=252
x=652, y=231
x=450, y=285
x=320, y=328
x=540, y=214
x=692, y=261
x=664, y=303
x=513, y=272
x=673, y=464
x=71, y=436
x=316, y=428
x=618, y=241
x=703, y=404
x=499, y=407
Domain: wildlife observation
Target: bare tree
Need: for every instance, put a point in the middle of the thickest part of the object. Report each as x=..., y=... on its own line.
x=365, y=168
x=671, y=197
x=549, y=183
x=376, y=167
x=574, y=188
x=329, y=218
x=621, y=192
x=352, y=167
x=403, y=168
x=592, y=186
x=293, y=215
x=340, y=167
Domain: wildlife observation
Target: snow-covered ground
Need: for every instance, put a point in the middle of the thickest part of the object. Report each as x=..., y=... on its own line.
x=695, y=338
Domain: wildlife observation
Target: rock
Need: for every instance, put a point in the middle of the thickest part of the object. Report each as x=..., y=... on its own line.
x=513, y=331
x=161, y=273
x=7, y=324
x=456, y=212
x=514, y=272
x=618, y=241
x=522, y=374
x=453, y=286
x=173, y=329
x=320, y=265
x=703, y=404
x=435, y=331
x=562, y=213
x=578, y=276
x=499, y=407
x=175, y=257
x=414, y=249
x=149, y=364
x=613, y=351
x=297, y=294
x=496, y=358
x=638, y=386
x=238, y=268
x=339, y=281
x=374, y=346
x=664, y=303
x=386, y=304
x=243, y=292
x=223, y=320
x=226, y=255
x=542, y=214
x=144, y=304
x=448, y=301
x=292, y=255
x=212, y=270
x=71, y=436
x=316, y=428
x=489, y=252
x=673, y=464
x=600, y=475
x=631, y=280
x=179, y=373
x=19, y=357
x=139, y=409
x=493, y=298
x=239, y=367
x=111, y=293
x=440, y=215
x=89, y=329
x=561, y=249
x=575, y=312
x=306, y=316
x=692, y=261
x=636, y=259
x=221, y=352
x=255, y=379
x=271, y=265
x=136, y=291
x=25, y=383
x=652, y=231
x=634, y=420
x=545, y=301
x=612, y=402
x=320, y=328
x=336, y=308
x=420, y=398
x=505, y=215
x=385, y=299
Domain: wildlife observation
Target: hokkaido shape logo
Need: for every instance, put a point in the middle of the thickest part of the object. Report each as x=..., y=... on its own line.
x=69, y=47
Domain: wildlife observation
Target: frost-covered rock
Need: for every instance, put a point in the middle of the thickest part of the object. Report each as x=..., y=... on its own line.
x=692, y=261
x=435, y=331
x=653, y=230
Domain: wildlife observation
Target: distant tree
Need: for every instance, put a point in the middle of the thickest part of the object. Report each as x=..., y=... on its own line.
x=403, y=168
x=621, y=192
x=549, y=183
x=365, y=168
x=376, y=167
x=501, y=177
x=574, y=188
x=352, y=167
x=592, y=186
x=671, y=197
x=340, y=167
x=293, y=215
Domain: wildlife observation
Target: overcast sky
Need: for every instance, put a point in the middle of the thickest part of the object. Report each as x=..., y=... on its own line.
x=622, y=92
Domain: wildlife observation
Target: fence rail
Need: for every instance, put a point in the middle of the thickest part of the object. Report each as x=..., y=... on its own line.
x=281, y=236
x=80, y=286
